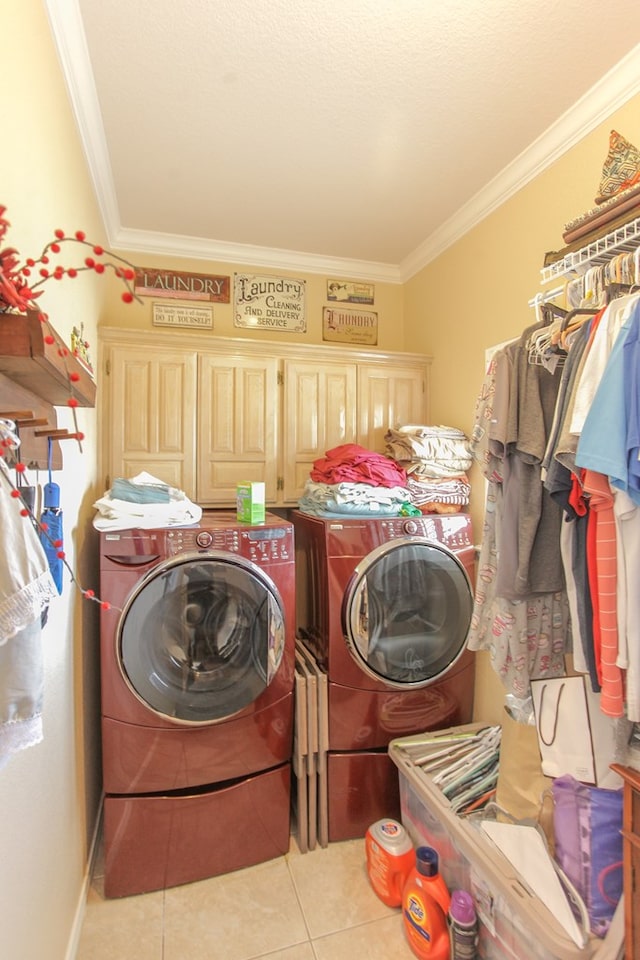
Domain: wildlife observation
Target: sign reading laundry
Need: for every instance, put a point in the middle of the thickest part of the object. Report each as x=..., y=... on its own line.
x=349, y=326
x=182, y=286
x=269, y=303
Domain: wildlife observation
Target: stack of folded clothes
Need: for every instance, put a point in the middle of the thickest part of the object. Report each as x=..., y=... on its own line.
x=350, y=479
x=144, y=501
x=435, y=459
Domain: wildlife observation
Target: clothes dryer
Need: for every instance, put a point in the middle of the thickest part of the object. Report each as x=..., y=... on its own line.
x=385, y=607
x=197, y=673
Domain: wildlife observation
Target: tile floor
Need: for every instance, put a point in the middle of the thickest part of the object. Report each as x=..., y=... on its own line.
x=313, y=906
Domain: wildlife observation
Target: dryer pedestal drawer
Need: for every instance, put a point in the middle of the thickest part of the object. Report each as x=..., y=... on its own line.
x=155, y=842
x=362, y=787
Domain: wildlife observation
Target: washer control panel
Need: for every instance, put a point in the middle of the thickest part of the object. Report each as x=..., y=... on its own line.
x=262, y=545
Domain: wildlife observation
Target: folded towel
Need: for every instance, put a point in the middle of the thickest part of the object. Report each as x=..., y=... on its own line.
x=139, y=492
x=117, y=514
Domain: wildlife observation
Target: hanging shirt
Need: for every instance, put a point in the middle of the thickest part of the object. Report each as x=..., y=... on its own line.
x=26, y=589
x=602, y=445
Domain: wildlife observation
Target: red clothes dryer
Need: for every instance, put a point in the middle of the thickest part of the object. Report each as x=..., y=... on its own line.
x=385, y=607
x=197, y=673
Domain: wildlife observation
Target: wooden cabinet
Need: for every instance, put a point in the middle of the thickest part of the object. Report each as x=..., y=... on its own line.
x=631, y=859
x=319, y=414
x=203, y=413
x=150, y=424
x=388, y=395
x=236, y=426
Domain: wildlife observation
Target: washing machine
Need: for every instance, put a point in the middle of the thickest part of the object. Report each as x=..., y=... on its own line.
x=197, y=675
x=384, y=605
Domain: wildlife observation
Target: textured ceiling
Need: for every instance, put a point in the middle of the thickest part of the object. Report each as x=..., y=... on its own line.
x=348, y=133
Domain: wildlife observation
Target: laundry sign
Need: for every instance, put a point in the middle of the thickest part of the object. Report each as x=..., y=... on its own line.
x=349, y=326
x=182, y=286
x=269, y=303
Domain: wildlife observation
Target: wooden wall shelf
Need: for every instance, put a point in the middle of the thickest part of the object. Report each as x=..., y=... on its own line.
x=40, y=367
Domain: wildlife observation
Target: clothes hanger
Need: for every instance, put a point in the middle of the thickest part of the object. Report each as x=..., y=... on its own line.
x=570, y=323
x=577, y=312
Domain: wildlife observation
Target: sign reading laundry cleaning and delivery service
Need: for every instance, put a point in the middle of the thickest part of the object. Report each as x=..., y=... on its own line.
x=269, y=303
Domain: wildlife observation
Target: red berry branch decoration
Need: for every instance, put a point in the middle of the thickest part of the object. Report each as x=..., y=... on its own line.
x=17, y=289
x=21, y=284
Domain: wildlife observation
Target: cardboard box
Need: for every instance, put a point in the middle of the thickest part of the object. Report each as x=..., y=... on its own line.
x=251, y=502
x=514, y=923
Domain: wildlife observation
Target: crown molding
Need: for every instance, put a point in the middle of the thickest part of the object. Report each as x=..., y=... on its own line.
x=176, y=245
x=71, y=45
x=604, y=98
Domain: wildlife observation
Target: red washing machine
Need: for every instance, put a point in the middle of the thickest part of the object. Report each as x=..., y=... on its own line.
x=197, y=662
x=384, y=605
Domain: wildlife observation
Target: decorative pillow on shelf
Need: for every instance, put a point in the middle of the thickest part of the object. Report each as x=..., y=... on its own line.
x=621, y=167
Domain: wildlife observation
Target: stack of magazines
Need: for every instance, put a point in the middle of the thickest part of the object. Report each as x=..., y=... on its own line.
x=464, y=765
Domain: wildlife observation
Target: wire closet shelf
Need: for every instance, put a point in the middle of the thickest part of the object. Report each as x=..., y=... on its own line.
x=623, y=239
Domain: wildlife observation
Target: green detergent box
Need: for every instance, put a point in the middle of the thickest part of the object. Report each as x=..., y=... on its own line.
x=250, y=499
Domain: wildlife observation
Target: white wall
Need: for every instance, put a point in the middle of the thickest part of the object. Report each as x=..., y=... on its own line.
x=49, y=793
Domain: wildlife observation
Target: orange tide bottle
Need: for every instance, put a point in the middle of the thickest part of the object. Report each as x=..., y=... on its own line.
x=425, y=906
x=390, y=859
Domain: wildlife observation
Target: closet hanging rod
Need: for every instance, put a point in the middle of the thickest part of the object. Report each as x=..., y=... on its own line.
x=546, y=296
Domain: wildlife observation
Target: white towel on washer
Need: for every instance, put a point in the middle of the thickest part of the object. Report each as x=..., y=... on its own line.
x=114, y=514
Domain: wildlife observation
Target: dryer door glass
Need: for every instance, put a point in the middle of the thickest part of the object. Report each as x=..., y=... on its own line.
x=201, y=638
x=407, y=612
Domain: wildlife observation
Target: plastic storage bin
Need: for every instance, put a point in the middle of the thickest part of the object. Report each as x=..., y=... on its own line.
x=513, y=923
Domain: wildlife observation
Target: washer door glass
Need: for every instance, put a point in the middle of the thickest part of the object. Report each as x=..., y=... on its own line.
x=202, y=637
x=407, y=612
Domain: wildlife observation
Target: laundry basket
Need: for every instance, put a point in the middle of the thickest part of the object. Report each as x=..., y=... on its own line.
x=514, y=923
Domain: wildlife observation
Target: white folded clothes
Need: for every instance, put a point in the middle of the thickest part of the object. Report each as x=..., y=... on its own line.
x=357, y=499
x=116, y=514
x=431, y=451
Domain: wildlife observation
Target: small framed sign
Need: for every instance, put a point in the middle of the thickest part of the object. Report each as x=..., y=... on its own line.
x=168, y=315
x=349, y=326
x=348, y=291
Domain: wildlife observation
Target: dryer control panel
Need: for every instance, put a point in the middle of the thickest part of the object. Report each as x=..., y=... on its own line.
x=454, y=531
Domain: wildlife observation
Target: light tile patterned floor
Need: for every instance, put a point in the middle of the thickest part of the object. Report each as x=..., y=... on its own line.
x=312, y=906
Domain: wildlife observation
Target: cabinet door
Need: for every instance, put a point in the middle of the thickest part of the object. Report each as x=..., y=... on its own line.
x=237, y=426
x=319, y=414
x=389, y=396
x=151, y=422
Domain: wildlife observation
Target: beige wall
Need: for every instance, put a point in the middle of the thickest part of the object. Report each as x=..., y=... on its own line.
x=388, y=304
x=50, y=793
x=473, y=295
x=476, y=294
